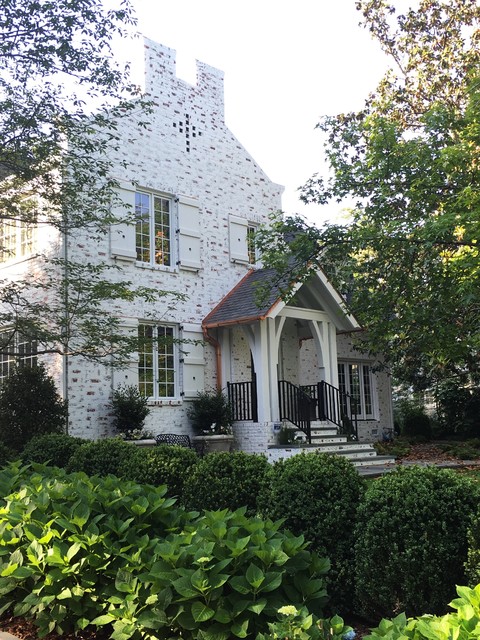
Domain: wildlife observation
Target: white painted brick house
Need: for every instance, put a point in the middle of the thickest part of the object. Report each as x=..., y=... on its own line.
x=198, y=196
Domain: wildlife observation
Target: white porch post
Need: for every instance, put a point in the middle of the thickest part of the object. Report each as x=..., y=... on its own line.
x=333, y=354
x=325, y=338
x=264, y=337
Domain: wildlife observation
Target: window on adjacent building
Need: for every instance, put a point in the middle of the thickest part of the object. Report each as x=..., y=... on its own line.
x=157, y=359
x=356, y=379
x=17, y=352
x=153, y=229
x=16, y=239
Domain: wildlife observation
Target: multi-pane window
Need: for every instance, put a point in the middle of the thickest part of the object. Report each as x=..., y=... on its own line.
x=251, y=247
x=355, y=379
x=153, y=229
x=17, y=351
x=156, y=366
x=16, y=239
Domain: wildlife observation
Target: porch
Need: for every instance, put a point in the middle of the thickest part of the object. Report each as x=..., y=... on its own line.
x=300, y=407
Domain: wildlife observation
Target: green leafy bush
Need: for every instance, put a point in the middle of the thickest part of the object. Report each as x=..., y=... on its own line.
x=302, y=625
x=130, y=408
x=101, y=457
x=164, y=465
x=226, y=481
x=318, y=495
x=458, y=404
x=78, y=553
x=411, y=540
x=6, y=454
x=472, y=566
x=29, y=406
x=417, y=423
x=462, y=624
x=52, y=448
x=210, y=412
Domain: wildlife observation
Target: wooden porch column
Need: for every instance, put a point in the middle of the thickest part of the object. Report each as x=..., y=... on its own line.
x=325, y=338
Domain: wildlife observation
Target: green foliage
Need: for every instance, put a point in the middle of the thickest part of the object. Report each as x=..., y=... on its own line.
x=462, y=624
x=164, y=465
x=468, y=450
x=79, y=553
x=302, y=625
x=60, y=82
x=408, y=258
x=318, y=495
x=52, y=448
x=29, y=406
x=472, y=566
x=458, y=406
x=130, y=408
x=210, y=412
x=411, y=540
x=397, y=448
x=416, y=423
x=226, y=481
x=6, y=454
x=101, y=457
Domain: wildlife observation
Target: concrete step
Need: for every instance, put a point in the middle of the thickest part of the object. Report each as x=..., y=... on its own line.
x=320, y=440
x=374, y=461
x=326, y=431
x=349, y=453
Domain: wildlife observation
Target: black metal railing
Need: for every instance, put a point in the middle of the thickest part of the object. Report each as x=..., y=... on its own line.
x=296, y=406
x=337, y=407
x=243, y=400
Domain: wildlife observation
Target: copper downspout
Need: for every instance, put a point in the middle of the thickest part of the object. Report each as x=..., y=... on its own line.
x=218, y=355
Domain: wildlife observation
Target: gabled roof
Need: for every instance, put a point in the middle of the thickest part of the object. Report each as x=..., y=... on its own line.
x=258, y=296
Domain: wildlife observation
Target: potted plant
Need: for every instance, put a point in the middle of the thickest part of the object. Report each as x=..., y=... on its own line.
x=130, y=408
x=211, y=416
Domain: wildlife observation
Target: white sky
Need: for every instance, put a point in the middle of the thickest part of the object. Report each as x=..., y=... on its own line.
x=286, y=64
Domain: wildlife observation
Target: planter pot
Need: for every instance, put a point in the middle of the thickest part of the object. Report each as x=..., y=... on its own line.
x=213, y=443
x=148, y=442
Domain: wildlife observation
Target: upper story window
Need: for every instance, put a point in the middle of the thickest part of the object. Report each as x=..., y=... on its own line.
x=153, y=229
x=242, y=241
x=356, y=379
x=252, y=249
x=16, y=239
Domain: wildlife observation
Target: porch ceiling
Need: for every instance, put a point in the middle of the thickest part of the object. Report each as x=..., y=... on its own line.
x=244, y=304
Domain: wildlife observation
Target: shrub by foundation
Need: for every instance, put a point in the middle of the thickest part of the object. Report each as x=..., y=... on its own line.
x=411, y=541
x=318, y=495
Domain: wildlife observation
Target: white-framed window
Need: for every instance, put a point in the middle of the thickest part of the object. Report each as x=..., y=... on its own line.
x=153, y=231
x=356, y=379
x=157, y=361
x=252, y=248
x=17, y=351
x=16, y=239
x=242, y=241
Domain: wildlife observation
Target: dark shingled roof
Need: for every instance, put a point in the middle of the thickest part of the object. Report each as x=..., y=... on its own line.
x=241, y=304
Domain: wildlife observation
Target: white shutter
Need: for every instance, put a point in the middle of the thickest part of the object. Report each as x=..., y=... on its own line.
x=188, y=233
x=193, y=361
x=122, y=235
x=238, y=228
x=127, y=375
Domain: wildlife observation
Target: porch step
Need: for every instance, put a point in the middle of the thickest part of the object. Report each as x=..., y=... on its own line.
x=327, y=439
x=349, y=450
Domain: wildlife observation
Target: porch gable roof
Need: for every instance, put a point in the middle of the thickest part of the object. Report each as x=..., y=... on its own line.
x=244, y=305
